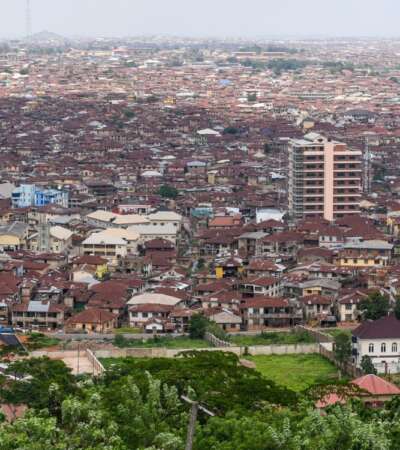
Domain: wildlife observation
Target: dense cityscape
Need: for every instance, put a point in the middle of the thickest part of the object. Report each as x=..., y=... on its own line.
x=199, y=243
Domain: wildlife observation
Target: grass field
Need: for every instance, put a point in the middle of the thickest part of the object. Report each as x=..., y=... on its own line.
x=108, y=362
x=269, y=338
x=167, y=342
x=127, y=330
x=297, y=372
x=37, y=341
x=335, y=331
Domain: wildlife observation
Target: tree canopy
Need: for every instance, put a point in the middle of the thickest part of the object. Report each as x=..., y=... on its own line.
x=375, y=306
x=167, y=191
x=137, y=405
x=342, y=348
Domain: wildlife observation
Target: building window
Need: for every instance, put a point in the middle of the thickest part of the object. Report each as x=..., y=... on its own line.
x=394, y=347
x=371, y=348
x=383, y=347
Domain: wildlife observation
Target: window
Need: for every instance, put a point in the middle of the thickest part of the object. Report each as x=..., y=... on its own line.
x=371, y=348
x=349, y=306
x=383, y=347
x=394, y=347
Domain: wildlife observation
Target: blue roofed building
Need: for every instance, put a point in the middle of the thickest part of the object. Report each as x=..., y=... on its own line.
x=30, y=195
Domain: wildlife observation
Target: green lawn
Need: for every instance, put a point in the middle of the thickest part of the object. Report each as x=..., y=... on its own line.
x=297, y=372
x=127, y=330
x=163, y=341
x=108, y=362
x=39, y=340
x=268, y=338
x=335, y=331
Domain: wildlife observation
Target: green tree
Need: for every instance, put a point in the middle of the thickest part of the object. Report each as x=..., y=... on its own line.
x=217, y=379
x=397, y=308
x=342, y=348
x=338, y=429
x=168, y=191
x=158, y=411
x=231, y=130
x=267, y=147
x=375, y=306
x=45, y=385
x=367, y=365
x=129, y=114
x=198, y=325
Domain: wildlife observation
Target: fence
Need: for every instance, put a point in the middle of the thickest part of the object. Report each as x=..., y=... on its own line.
x=216, y=342
x=98, y=367
x=319, y=336
x=239, y=351
x=349, y=368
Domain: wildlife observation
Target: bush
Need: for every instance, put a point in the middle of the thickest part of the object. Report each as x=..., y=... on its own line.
x=198, y=326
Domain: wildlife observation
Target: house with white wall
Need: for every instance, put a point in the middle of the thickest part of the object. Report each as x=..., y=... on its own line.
x=380, y=340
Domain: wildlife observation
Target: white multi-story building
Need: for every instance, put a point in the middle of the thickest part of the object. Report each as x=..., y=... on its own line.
x=380, y=340
x=324, y=178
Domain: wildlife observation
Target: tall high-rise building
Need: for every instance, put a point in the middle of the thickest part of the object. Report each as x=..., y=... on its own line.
x=324, y=178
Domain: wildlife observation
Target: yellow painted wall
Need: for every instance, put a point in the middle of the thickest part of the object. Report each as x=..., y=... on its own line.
x=6, y=239
x=356, y=262
x=219, y=272
x=312, y=291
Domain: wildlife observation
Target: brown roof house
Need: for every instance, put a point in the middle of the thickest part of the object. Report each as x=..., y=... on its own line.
x=93, y=320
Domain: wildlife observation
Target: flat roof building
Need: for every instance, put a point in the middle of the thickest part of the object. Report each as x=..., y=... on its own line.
x=324, y=178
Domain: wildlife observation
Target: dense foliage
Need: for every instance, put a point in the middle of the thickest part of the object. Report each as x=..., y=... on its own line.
x=167, y=191
x=342, y=348
x=137, y=404
x=199, y=325
x=375, y=306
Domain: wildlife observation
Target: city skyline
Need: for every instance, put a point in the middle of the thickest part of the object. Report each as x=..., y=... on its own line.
x=354, y=18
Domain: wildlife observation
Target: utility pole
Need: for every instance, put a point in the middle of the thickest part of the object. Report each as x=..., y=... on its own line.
x=192, y=425
x=79, y=351
x=195, y=406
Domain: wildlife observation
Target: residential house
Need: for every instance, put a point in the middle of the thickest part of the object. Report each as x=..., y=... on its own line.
x=380, y=340
x=266, y=286
x=14, y=236
x=144, y=306
x=38, y=315
x=93, y=320
x=261, y=312
x=365, y=254
x=226, y=319
x=316, y=306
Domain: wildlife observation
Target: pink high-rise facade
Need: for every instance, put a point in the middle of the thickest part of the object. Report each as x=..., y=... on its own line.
x=324, y=178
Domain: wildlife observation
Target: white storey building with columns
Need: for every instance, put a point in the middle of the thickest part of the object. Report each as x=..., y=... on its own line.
x=380, y=340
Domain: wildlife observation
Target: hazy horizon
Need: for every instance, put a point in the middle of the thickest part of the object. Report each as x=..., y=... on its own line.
x=217, y=18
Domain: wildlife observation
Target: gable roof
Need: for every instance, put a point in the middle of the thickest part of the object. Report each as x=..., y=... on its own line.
x=387, y=327
x=376, y=385
x=154, y=298
x=92, y=315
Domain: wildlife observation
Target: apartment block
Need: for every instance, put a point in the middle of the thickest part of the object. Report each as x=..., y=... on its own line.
x=324, y=178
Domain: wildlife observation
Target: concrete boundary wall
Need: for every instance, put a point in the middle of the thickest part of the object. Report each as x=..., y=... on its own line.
x=171, y=353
